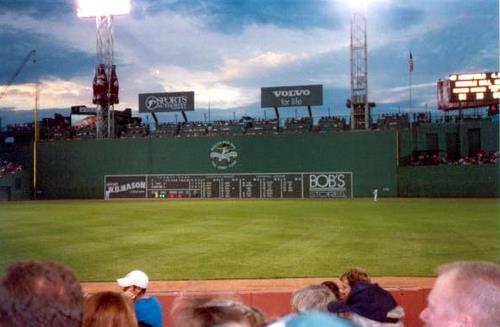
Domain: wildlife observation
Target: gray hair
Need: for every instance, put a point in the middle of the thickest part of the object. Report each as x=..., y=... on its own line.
x=312, y=298
x=476, y=285
x=361, y=321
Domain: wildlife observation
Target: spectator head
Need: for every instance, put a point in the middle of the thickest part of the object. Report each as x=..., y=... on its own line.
x=333, y=287
x=349, y=278
x=41, y=294
x=312, y=298
x=215, y=311
x=466, y=293
x=371, y=304
x=106, y=309
x=134, y=284
x=311, y=319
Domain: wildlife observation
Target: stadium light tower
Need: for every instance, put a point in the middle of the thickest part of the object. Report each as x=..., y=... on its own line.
x=358, y=103
x=105, y=84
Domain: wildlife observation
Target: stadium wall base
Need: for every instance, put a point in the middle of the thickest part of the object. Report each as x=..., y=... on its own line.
x=273, y=296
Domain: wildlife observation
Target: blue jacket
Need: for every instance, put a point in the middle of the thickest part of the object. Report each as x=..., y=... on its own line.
x=148, y=310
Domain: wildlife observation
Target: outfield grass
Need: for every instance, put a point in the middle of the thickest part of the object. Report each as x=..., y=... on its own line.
x=212, y=239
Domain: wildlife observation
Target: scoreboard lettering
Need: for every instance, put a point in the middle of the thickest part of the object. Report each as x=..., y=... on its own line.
x=266, y=185
x=475, y=87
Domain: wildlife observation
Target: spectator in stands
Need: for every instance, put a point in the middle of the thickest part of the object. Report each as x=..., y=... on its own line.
x=215, y=311
x=349, y=278
x=108, y=309
x=7, y=168
x=466, y=293
x=333, y=287
x=147, y=308
x=369, y=305
x=40, y=294
x=312, y=298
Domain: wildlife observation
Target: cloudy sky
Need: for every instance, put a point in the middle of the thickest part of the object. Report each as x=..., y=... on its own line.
x=226, y=50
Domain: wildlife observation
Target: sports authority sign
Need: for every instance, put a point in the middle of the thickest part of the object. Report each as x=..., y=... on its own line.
x=165, y=102
x=291, y=96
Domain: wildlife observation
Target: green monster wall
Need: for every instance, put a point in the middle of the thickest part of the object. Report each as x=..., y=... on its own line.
x=76, y=169
x=449, y=181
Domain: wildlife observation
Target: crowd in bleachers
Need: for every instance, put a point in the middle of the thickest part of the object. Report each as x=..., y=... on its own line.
x=84, y=132
x=433, y=158
x=137, y=130
x=393, y=121
x=260, y=126
x=332, y=123
x=481, y=157
x=59, y=128
x=48, y=294
x=8, y=167
x=297, y=125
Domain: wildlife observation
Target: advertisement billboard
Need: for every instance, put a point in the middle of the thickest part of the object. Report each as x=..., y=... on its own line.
x=166, y=102
x=292, y=96
x=125, y=187
x=80, y=121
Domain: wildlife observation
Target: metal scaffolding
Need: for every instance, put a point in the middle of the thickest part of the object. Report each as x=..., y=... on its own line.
x=360, y=107
x=104, y=55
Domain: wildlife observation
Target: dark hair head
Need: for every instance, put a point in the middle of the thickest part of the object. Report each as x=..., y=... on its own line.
x=333, y=287
x=40, y=294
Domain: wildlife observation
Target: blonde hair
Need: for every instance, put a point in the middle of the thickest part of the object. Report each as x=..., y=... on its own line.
x=108, y=309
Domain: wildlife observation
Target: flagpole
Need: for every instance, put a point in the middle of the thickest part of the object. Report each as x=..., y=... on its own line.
x=410, y=71
x=409, y=82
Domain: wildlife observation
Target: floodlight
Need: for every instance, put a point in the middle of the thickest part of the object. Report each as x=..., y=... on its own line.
x=362, y=5
x=95, y=8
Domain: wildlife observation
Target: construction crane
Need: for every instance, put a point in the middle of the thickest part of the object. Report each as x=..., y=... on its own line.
x=30, y=54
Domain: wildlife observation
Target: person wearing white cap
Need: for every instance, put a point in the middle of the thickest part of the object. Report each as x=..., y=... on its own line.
x=147, y=308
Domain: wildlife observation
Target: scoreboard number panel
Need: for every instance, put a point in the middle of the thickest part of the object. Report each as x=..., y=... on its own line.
x=475, y=87
x=470, y=90
x=234, y=186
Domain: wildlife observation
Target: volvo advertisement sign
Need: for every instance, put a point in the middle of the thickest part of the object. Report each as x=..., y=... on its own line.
x=292, y=96
x=166, y=102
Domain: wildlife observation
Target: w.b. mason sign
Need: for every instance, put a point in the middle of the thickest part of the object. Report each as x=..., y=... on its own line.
x=292, y=96
x=165, y=102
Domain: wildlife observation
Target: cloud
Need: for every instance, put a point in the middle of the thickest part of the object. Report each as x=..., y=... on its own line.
x=401, y=93
x=226, y=50
x=232, y=17
x=54, y=93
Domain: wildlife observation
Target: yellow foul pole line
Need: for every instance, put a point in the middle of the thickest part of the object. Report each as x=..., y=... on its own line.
x=35, y=136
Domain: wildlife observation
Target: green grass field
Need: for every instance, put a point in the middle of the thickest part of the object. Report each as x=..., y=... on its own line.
x=213, y=239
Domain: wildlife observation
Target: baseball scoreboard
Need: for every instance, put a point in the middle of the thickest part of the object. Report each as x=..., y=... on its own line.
x=238, y=186
x=469, y=90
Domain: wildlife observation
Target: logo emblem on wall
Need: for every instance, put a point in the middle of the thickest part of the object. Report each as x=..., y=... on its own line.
x=152, y=103
x=223, y=155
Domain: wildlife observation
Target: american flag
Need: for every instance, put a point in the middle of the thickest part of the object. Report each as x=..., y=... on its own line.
x=410, y=63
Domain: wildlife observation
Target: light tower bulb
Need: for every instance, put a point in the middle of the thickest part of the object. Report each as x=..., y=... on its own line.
x=93, y=8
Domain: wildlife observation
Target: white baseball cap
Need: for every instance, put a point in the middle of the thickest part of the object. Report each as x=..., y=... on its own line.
x=134, y=278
